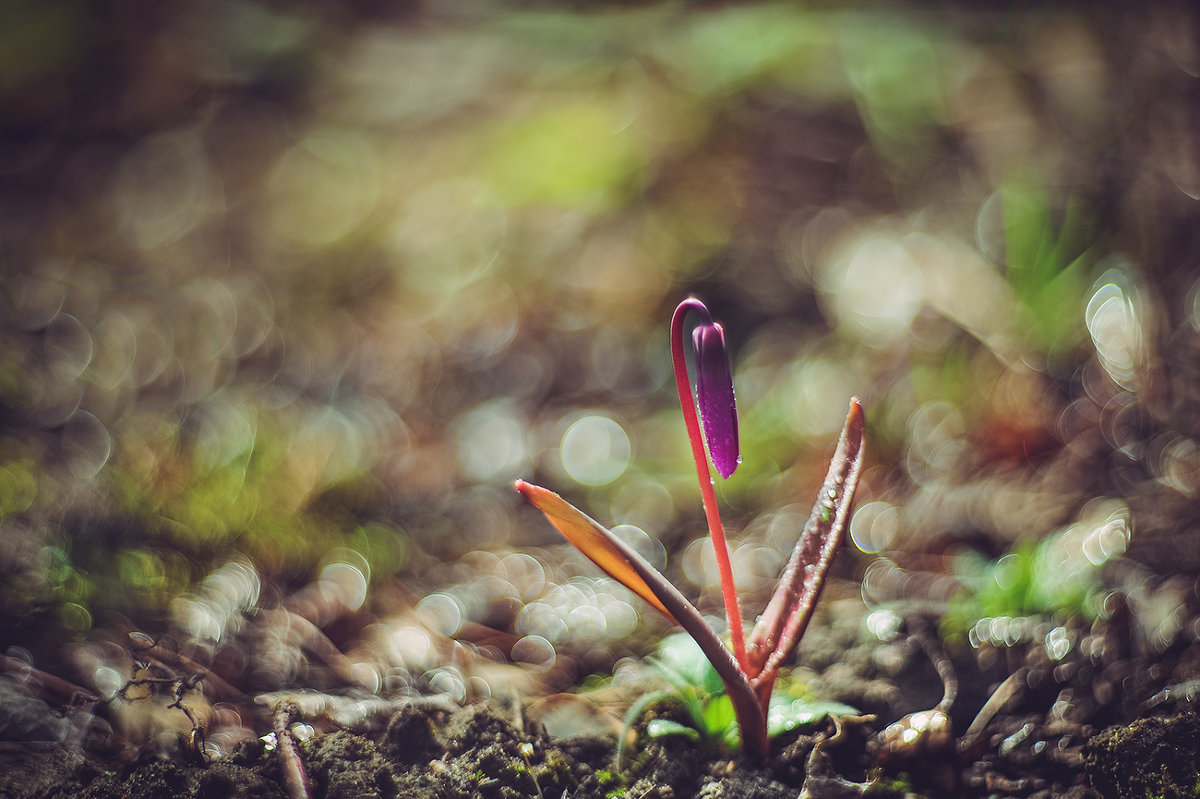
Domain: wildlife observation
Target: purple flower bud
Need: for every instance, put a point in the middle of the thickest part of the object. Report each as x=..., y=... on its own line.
x=714, y=395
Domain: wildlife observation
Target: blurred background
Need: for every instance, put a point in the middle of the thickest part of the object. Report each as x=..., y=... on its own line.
x=293, y=292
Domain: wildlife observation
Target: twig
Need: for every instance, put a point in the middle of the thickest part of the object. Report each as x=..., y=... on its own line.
x=923, y=633
x=926, y=733
x=821, y=778
x=294, y=774
x=995, y=703
x=145, y=647
x=179, y=686
x=518, y=712
x=52, y=688
x=313, y=640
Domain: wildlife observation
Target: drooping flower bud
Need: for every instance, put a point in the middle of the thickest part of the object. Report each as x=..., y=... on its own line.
x=714, y=396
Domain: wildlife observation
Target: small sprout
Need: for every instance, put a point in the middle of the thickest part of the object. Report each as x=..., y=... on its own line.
x=749, y=671
x=526, y=751
x=711, y=717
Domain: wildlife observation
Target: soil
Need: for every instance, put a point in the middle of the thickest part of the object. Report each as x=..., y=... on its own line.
x=1021, y=721
x=473, y=751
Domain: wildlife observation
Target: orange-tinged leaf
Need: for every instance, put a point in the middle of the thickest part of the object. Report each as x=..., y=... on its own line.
x=592, y=539
x=623, y=564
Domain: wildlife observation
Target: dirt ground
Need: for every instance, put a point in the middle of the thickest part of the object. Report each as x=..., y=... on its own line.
x=1096, y=720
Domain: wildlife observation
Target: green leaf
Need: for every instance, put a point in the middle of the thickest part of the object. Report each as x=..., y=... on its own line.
x=788, y=714
x=661, y=728
x=683, y=690
x=719, y=718
x=681, y=655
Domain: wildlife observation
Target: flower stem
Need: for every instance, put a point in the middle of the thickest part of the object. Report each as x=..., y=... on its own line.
x=708, y=495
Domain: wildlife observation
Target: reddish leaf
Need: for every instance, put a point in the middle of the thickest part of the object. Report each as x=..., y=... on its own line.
x=783, y=622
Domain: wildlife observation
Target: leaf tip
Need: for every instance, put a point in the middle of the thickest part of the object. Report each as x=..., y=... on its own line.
x=855, y=417
x=529, y=490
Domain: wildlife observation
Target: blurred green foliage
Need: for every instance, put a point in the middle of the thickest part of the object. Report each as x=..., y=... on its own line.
x=898, y=69
x=1048, y=263
x=282, y=281
x=736, y=48
x=1030, y=581
x=575, y=155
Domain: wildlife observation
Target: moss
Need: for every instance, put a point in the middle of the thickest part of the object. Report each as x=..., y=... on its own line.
x=884, y=786
x=1148, y=758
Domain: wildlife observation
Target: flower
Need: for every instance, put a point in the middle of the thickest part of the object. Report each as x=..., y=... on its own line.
x=748, y=672
x=714, y=396
x=748, y=675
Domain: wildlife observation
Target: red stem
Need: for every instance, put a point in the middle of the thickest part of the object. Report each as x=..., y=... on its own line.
x=708, y=495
